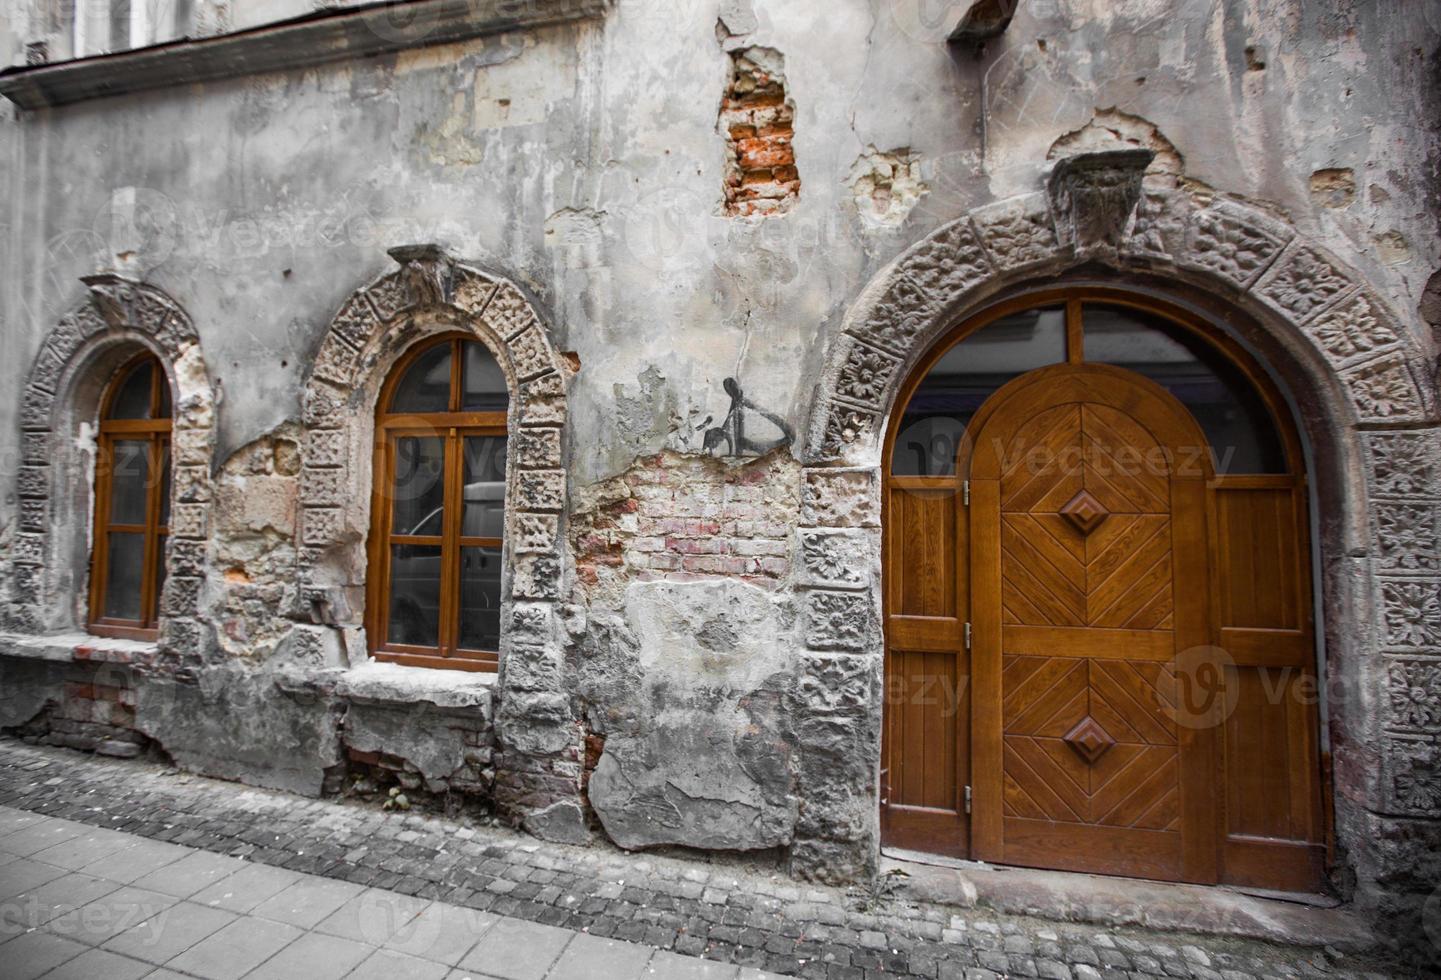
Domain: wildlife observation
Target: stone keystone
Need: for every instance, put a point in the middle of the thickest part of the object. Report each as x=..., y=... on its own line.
x=428, y=273
x=1093, y=196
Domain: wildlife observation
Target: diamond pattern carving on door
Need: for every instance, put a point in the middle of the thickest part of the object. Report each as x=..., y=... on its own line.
x=1090, y=742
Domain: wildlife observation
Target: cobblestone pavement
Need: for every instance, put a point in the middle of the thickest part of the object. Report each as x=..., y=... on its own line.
x=732, y=915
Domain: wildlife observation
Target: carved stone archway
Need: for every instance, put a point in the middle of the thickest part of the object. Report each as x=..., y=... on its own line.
x=1369, y=411
x=538, y=768
x=50, y=556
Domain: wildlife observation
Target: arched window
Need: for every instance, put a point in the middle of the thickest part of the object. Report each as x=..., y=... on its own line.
x=1220, y=395
x=132, y=501
x=438, y=513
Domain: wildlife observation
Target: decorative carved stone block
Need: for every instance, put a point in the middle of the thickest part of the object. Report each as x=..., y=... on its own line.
x=1413, y=693
x=1404, y=464
x=532, y=668
x=65, y=338
x=356, y=322
x=866, y=375
x=845, y=427
x=537, y=448
x=34, y=447
x=1303, y=281
x=188, y=520
x=1018, y=233
x=1409, y=536
x=28, y=549
x=542, y=401
x=181, y=596
x=838, y=684
x=325, y=448
x=1159, y=231
x=535, y=532
x=1414, y=777
x=323, y=487
x=191, y=484
x=88, y=321
x=46, y=372
x=841, y=498
x=321, y=527
x=540, y=490
x=509, y=312
x=835, y=559
x=35, y=409
x=336, y=362
x=33, y=481
x=903, y=313
x=185, y=558
x=191, y=447
x=26, y=583
x=1093, y=196
x=531, y=623
x=1355, y=328
x=323, y=408
x=1411, y=613
x=537, y=577
x=947, y=264
x=1234, y=242
x=389, y=296
x=529, y=354
x=840, y=621
x=473, y=290
x=33, y=515
x=1385, y=391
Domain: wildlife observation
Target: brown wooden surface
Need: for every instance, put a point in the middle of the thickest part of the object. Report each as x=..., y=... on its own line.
x=1189, y=578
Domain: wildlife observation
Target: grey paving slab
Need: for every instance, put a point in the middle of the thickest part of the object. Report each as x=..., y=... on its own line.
x=444, y=933
x=246, y=888
x=308, y=901
x=196, y=871
x=372, y=917
x=666, y=965
x=23, y=875
x=591, y=957
x=40, y=835
x=170, y=933
x=98, y=964
x=37, y=953
x=123, y=909
x=84, y=849
x=135, y=861
x=314, y=956
x=164, y=974
x=38, y=906
x=387, y=964
x=12, y=820
x=515, y=950
x=235, y=949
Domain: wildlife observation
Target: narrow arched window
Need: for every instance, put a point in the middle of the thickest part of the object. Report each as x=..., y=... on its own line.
x=132, y=501
x=438, y=513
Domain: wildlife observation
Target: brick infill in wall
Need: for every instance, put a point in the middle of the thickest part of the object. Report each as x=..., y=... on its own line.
x=724, y=913
x=684, y=518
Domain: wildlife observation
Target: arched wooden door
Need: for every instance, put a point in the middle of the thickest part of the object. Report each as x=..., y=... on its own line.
x=1088, y=572
x=1100, y=650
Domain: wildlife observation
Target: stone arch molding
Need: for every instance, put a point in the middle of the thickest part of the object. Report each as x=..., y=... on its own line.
x=50, y=555
x=431, y=293
x=1373, y=371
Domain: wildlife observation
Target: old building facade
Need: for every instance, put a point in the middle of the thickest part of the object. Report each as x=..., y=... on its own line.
x=744, y=426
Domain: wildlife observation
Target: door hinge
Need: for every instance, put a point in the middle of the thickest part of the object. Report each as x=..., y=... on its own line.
x=968, y=799
x=967, y=633
x=966, y=493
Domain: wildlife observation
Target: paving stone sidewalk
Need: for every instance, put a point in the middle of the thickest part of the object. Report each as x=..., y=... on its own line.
x=508, y=883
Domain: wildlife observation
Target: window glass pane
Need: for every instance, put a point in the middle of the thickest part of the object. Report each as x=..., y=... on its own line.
x=419, y=489
x=1230, y=411
x=126, y=570
x=426, y=385
x=129, y=480
x=483, y=388
x=480, y=599
x=484, y=490
x=132, y=399
x=964, y=377
x=414, y=595
x=165, y=408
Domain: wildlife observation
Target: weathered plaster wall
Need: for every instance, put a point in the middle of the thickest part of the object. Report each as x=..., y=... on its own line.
x=588, y=163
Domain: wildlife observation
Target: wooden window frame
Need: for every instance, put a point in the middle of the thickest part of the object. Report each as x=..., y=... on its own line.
x=453, y=427
x=155, y=430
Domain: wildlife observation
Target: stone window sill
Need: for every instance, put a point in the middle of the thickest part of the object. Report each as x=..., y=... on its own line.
x=383, y=683
x=325, y=36
x=76, y=646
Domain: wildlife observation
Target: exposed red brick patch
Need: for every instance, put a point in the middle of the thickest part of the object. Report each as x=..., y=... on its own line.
x=758, y=121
